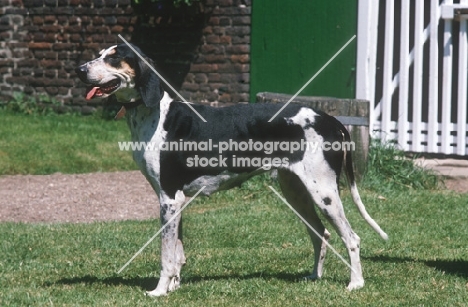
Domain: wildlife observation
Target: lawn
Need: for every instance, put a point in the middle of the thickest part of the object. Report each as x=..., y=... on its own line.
x=244, y=247
x=32, y=144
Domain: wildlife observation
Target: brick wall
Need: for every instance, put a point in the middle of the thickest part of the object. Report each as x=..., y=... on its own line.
x=221, y=70
x=203, y=52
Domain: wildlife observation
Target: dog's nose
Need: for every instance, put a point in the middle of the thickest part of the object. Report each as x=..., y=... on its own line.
x=82, y=72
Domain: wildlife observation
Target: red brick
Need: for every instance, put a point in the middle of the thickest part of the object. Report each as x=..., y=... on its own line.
x=207, y=30
x=238, y=49
x=50, y=19
x=225, y=40
x=213, y=21
x=204, y=68
x=75, y=38
x=41, y=45
x=50, y=73
x=5, y=35
x=241, y=20
x=37, y=20
x=212, y=39
x=123, y=20
x=51, y=64
x=51, y=90
x=234, y=68
x=218, y=30
x=201, y=78
x=240, y=58
x=51, y=28
x=63, y=46
x=73, y=29
x=225, y=21
x=238, y=30
x=18, y=80
x=225, y=2
x=117, y=29
x=7, y=63
x=241, y=39
x=214, y=77
x=193, y=87
x=74, y=20
x=215, y=58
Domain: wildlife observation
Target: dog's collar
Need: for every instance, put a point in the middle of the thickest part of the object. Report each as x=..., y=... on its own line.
x=127, y=106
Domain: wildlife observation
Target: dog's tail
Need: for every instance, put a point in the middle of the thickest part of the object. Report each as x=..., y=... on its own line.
x=348, y=165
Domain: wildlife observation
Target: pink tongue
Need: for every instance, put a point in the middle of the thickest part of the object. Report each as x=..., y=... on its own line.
x=91, y=93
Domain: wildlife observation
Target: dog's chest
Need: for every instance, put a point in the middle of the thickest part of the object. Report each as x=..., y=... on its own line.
x=143, y=124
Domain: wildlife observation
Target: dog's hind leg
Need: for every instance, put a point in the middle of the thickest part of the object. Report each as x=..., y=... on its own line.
x=297, y=195
x=324, y=191
x=172, y=251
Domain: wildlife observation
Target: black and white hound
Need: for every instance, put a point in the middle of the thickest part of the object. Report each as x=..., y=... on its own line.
x=305, y=176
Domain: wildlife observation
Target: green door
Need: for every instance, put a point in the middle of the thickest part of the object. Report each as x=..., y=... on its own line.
x=292, y=40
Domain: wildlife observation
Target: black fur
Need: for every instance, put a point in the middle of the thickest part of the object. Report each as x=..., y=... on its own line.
x=146, y=81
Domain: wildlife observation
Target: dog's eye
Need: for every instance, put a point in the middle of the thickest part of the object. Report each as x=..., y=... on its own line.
x=113, y=60
x=113, y=56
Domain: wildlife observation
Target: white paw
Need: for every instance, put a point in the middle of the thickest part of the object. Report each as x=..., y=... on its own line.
x=174, y=284
x=156, y=293
x=355, y=285
x=161, y=289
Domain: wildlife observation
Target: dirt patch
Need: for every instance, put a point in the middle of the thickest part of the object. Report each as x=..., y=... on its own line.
x=459, y=185
x=91, y=197
x=77, y=198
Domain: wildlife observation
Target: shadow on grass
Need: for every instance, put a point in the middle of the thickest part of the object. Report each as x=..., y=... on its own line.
x=149, y=283
x=453, y=267
x=146, y=283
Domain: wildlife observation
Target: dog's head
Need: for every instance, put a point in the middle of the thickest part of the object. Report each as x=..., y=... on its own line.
x=120, y=71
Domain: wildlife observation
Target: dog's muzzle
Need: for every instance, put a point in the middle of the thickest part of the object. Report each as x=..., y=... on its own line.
x=96, y=90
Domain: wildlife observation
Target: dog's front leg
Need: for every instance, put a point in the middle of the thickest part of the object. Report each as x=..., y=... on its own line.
x=172, y=251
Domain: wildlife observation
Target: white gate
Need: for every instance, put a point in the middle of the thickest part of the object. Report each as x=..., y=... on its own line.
x=412, y=66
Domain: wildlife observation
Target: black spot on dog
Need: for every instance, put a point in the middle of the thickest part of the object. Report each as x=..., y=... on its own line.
x=163, y=210
x=327, y=201
x=308, y=124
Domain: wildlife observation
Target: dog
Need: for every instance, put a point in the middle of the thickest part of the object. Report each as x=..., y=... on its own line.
x=306, y=177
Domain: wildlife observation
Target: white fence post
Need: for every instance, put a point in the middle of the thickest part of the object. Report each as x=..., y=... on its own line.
x=404, y=76
x=461, y=126
x=447, y=86
x=368, y=17
x=433, y=109
x=418, y=76
x=386, y=108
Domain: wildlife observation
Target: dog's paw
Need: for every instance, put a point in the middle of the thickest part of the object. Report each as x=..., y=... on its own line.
x=174, y=284
x=162, y=288
x=156, y=293
x=355, y=285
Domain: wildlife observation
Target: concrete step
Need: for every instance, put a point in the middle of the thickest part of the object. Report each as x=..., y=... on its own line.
x=451, y=168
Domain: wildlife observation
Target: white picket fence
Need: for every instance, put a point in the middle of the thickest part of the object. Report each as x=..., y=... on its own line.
x=412, y=66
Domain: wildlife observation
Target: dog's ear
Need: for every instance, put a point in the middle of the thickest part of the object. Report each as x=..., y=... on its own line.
x=148, y=84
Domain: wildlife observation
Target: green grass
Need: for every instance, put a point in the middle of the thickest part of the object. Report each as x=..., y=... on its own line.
x=389, y=169
x=245, y=248
x=32, y=144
